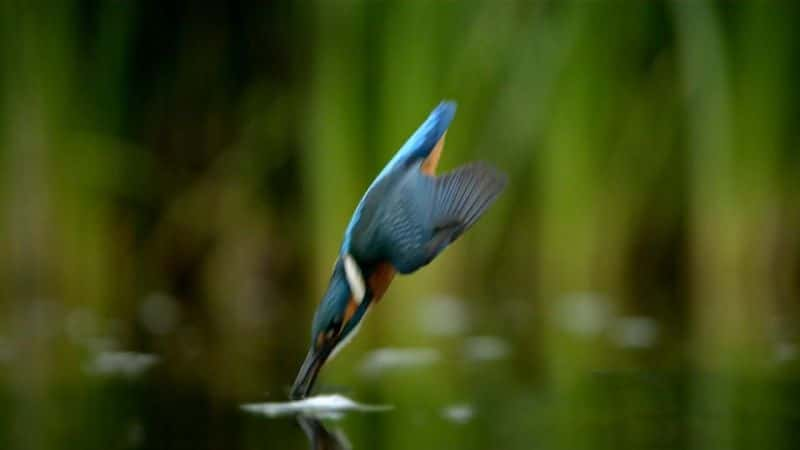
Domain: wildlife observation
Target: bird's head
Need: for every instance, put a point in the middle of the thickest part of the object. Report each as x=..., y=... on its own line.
x=335, y=322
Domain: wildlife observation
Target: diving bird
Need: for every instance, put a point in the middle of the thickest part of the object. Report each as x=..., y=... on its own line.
x=407, y=216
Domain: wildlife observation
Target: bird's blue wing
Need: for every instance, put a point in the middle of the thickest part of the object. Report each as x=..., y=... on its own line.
x=425, y=214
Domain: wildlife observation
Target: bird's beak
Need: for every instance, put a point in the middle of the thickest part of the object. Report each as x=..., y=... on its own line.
x=308, y=374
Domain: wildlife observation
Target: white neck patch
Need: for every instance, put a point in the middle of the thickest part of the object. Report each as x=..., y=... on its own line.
x=354, y=279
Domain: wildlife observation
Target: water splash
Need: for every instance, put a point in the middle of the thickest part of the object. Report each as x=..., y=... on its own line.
x=322, y=406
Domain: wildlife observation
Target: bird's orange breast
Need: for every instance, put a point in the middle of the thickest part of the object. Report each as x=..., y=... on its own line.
x=380, y=280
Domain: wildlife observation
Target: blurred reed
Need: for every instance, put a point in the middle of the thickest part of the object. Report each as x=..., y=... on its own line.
x=176, y=181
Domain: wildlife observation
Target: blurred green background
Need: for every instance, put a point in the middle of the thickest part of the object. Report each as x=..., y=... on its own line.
x=175, y=180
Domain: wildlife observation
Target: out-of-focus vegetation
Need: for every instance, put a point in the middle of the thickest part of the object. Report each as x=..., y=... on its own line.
x=176, y=178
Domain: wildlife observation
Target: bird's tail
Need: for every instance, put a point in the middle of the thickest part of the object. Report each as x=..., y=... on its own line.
x=422, y=142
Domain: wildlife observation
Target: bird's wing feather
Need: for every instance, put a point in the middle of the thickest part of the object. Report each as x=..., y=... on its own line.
x=428, y=213
x=460, y=197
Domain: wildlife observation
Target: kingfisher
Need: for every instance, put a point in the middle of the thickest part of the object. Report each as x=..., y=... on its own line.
x=407, y=216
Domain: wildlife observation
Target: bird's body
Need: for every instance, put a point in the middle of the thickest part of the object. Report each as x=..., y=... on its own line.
x=404, y=220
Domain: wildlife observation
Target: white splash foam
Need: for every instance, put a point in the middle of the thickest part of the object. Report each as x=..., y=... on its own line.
x=326, y=406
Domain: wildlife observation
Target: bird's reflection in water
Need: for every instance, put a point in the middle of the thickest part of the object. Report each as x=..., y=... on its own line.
x=320, y=437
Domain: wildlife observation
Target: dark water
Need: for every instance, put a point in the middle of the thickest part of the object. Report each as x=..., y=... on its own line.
x=600, y=381
x=404, y=402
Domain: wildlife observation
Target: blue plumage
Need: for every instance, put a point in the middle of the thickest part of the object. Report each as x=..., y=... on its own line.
x=416, y=148
x=411, y=217
x=404, y=220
